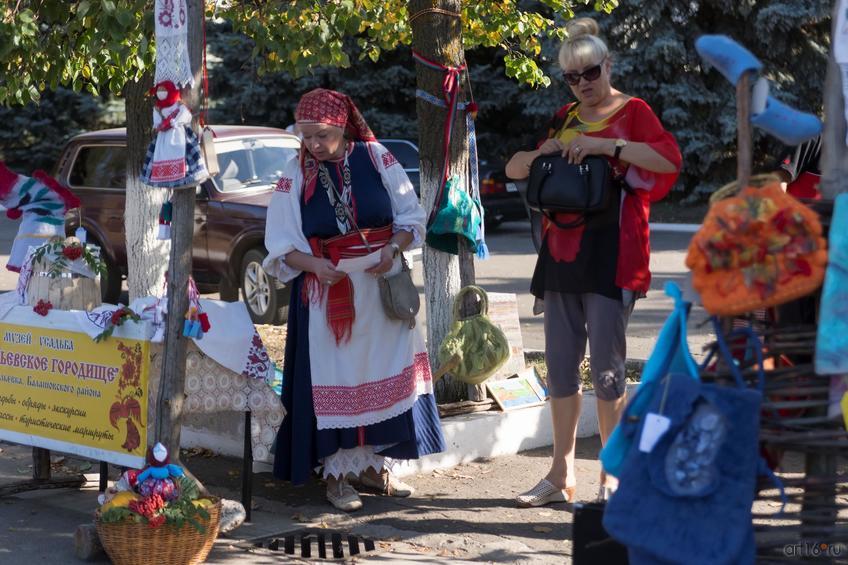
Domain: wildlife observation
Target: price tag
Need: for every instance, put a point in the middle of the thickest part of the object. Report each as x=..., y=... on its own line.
x=656, y=425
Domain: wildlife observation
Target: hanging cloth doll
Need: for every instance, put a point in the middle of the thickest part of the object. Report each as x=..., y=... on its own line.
x=173, y=159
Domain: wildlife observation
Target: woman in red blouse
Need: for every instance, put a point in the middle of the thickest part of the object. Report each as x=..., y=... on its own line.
x=589, y=276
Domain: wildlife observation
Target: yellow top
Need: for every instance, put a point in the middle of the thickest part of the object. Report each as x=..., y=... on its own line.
x=580, y=126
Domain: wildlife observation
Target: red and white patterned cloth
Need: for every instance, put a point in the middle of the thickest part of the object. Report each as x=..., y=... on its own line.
x=169, y=157
x=171, y=26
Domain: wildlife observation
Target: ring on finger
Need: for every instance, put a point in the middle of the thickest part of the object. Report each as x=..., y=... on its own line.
x=577, y=149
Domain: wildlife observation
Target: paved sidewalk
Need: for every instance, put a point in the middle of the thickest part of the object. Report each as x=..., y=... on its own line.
x=463, y=514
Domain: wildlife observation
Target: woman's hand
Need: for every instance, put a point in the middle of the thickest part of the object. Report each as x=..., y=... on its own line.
x=387, y=258
x=551, y=146
x=584, y=145
x=326, y=271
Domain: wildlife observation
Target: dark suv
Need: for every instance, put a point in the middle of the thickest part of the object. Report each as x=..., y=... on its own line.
x=229, y=220
x=500, y=197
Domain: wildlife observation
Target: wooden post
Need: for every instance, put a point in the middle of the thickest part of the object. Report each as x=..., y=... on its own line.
x=818, y=502
x=834, y=179
x=438, y=37
x=40, y=464
x=743, y=130
x=169, y=407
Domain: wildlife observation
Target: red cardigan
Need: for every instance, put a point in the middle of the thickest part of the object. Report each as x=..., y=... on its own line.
x=634, y=122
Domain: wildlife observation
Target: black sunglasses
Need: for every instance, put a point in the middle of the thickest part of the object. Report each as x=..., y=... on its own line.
x=590, y=74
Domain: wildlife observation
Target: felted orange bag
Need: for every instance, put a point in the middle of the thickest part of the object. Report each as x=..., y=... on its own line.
x=755, y=250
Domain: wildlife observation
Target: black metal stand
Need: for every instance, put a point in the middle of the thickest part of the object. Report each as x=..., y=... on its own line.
x=104, y=476
x=247, y=468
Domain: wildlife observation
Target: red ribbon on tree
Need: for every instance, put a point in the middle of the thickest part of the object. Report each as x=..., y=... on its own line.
x=450, y=91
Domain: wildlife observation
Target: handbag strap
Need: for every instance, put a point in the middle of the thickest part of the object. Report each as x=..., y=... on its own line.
x=752, y=340
x=349, y=213
x=463, y=292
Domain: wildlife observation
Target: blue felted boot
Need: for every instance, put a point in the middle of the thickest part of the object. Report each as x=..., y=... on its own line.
x=727, y=56
x=787, y=124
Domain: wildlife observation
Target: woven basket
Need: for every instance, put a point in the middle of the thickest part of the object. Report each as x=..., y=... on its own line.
x=131, y=543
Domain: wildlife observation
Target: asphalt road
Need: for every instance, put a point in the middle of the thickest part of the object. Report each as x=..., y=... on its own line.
x=510, y=269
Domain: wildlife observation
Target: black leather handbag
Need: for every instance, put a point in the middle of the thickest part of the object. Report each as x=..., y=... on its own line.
x=557, y=186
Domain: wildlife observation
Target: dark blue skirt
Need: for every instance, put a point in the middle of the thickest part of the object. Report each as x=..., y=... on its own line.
x=301, y=445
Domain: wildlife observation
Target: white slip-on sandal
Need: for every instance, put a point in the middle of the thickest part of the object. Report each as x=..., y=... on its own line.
x=344, y=497
x=544, y=493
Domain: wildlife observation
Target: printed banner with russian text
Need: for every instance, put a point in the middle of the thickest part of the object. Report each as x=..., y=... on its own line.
x=62, y=391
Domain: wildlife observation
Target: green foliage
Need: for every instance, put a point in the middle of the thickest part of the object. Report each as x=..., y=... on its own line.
x=119, y=514
x=384, y=92
x=182, y=511
x=59, y=263
x=652, y=42
x=176, y=513
x=285, y=47
x=297, y=36
x=32, y=135
x=655, y=58
x=85, y=44
x=188, y=488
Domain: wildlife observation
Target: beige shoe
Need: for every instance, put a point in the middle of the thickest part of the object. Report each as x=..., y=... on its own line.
x=544, y=493
x=388, y=485
x=344, y=497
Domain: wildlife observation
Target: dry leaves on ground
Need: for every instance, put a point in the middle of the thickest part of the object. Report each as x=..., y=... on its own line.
x=274, y=338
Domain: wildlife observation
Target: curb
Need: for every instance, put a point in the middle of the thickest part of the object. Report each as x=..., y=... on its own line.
x=531, y=355
x=674, y=228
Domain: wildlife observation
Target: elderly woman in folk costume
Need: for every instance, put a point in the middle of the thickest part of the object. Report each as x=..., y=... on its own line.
x=357, y=385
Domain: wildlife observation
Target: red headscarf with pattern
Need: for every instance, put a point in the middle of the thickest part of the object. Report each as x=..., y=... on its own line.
x=323, y=106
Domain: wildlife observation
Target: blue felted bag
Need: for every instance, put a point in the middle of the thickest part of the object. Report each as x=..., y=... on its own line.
x=832, y=338
x=689, y=499
x=670, y=354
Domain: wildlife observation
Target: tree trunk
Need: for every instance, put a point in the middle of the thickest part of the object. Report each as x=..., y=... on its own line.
x=438, y=37
x=147, y=257
x=818, y=501
x=172, y=384
x=834, y=152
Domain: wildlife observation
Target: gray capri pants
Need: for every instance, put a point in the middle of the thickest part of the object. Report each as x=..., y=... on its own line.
x=569, y=320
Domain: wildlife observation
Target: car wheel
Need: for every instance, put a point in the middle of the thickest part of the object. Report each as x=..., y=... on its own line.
x=493, y=221
x=266, y=302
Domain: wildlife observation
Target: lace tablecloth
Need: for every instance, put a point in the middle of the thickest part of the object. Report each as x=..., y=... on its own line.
x=211, y=387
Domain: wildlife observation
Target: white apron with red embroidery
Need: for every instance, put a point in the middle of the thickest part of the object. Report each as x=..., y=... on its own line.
x=384, y=368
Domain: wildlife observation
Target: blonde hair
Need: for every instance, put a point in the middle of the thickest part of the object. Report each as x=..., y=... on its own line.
x=582, y=46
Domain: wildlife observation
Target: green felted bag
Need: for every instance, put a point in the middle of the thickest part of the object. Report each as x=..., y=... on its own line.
x=474, y=348
x=457, y=216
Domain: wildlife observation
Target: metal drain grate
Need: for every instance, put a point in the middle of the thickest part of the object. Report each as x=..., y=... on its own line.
x=317, y=544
